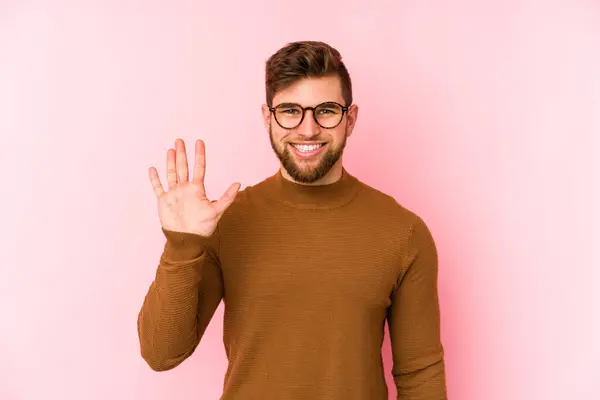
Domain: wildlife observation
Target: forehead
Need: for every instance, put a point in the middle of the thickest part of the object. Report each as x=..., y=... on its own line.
x=311, y=91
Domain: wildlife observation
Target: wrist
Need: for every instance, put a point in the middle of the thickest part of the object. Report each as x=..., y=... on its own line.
x=183, y=246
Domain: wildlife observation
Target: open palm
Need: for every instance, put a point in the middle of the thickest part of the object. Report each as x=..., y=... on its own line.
x=185, y=207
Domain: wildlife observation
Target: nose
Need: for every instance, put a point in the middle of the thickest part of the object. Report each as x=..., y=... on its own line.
x=308, y=128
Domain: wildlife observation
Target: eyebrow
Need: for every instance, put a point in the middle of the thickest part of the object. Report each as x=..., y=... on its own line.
x=329, y=103
x=288, y=105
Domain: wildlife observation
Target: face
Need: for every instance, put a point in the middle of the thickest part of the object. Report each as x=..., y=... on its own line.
x=309, y=153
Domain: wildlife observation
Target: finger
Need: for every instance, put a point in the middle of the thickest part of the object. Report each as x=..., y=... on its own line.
x=200, y=164
x=181, y=161
x=225, y=201
x=155, y=181
x=171, y=170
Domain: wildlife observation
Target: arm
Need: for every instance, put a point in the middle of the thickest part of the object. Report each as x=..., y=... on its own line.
x=181, y=300
x=414, y=322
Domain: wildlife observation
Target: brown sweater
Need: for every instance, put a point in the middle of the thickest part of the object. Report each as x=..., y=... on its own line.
x=308, y=275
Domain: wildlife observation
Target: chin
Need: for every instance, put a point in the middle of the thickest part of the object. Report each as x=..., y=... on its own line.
x=303, y=173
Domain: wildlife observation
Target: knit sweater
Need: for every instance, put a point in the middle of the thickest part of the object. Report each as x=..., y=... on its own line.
x=309, y=275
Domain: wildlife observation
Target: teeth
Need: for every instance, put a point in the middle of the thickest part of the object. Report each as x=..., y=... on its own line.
x=305, y=148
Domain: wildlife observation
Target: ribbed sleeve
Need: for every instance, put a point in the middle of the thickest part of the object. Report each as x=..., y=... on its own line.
x=181, y=300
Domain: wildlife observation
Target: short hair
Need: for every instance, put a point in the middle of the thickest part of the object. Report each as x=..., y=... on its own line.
x=305, y=59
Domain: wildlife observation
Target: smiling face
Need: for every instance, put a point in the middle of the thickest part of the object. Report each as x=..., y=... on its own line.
x=309, y=153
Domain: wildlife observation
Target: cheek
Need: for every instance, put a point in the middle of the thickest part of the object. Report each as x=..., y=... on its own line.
x=278, y=135
x=339, y=135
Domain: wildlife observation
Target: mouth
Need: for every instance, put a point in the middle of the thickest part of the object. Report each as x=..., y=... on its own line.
x=304, y=150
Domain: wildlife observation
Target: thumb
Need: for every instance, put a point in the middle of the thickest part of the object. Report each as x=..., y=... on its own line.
x=228, y=197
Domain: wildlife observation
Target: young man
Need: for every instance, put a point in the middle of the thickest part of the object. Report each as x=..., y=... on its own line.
x=310, y=262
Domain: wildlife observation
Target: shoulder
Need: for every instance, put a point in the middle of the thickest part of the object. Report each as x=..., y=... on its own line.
x=392, y=216
x=385, y=205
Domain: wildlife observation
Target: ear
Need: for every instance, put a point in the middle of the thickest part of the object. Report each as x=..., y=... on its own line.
x=266, y=116
x=352, y=116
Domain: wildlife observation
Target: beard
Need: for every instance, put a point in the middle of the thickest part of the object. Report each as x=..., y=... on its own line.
x=305, y=174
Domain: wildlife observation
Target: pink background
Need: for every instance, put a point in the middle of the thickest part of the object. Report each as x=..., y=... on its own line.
x=481, y=116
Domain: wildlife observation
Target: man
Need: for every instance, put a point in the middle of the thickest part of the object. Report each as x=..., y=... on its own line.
x=310, y=262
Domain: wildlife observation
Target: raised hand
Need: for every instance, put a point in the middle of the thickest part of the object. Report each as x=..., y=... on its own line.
x=185, y=207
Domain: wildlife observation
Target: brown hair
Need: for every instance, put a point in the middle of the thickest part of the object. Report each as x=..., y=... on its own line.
x=298, y=60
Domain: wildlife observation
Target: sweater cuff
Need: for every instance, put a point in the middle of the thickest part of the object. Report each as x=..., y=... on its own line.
x=182, y=246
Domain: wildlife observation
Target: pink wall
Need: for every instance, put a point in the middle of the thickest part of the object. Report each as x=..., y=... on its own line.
x=481, y=116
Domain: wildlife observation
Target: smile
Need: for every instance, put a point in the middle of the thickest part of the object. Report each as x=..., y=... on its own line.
x=307, y=150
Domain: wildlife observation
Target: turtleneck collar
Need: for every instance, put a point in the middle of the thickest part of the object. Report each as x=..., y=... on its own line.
x=321, y=197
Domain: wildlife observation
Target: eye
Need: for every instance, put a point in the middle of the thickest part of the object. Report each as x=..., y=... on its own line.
x=288, y=111
x=329, y=110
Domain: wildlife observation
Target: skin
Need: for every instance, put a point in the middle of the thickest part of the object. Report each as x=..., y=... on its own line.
x=326, y=167
x=184, y=207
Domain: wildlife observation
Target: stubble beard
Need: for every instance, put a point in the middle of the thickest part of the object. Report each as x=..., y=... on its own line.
x=308, y=175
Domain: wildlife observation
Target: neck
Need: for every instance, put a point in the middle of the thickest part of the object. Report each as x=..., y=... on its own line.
x=314, y=196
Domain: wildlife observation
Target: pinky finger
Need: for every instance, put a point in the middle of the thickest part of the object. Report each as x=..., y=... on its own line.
x=155, y=181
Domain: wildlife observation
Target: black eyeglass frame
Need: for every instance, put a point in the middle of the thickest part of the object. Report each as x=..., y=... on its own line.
x=304, y=109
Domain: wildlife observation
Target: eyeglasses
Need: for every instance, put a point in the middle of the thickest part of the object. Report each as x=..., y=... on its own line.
x=328, y=115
